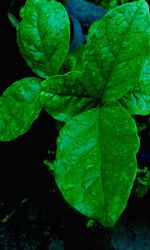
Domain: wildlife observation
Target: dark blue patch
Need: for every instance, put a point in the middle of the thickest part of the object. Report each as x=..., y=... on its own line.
x=85, y=12
x=78, y=37
x=82, y=15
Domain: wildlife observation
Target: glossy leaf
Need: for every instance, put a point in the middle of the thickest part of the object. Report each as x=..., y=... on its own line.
x=95, y=165
x=116, y=51
x=44, y=36
x=63, y=96
x=19, y=107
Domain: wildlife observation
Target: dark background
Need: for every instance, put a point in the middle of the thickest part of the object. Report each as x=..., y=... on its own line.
x=45, y=221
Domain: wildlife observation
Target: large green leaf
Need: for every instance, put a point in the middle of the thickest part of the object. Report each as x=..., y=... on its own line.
x=44, y=36
x=116, y=51
x=63, y=96
x=19, y=107
x=137, y=102
x=95, y=165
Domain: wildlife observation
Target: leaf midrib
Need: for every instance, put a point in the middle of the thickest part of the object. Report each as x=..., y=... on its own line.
x=100, y=163
x=119, y=50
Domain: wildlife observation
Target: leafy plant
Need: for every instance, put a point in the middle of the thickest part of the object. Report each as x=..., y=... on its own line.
x=94, y=91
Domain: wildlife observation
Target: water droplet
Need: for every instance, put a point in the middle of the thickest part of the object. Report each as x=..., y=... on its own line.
x=68, y=187
x=141, y=12
x=90, y=166
x=121, y=10
x=125, y=44
x=121, y=65
x=119, y=21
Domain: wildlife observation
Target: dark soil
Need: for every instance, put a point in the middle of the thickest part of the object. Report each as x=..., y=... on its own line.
x=45, y=221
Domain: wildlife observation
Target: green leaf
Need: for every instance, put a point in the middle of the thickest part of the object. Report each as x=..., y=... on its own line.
x=143, y=182
x=63, y=96
x=96, y=165
x=43, y=36
x=110, y=4
x=19, y=107
x=116, y=51
x=137, y=102
x=73, y=61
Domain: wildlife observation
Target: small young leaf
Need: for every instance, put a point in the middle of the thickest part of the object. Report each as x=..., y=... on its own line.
x=43, y=36
x=73, y=61
x=110, y=4
x=96, y=165
x=137, y=102
x=19, y=107
x=63, y=96
x=116, y=51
